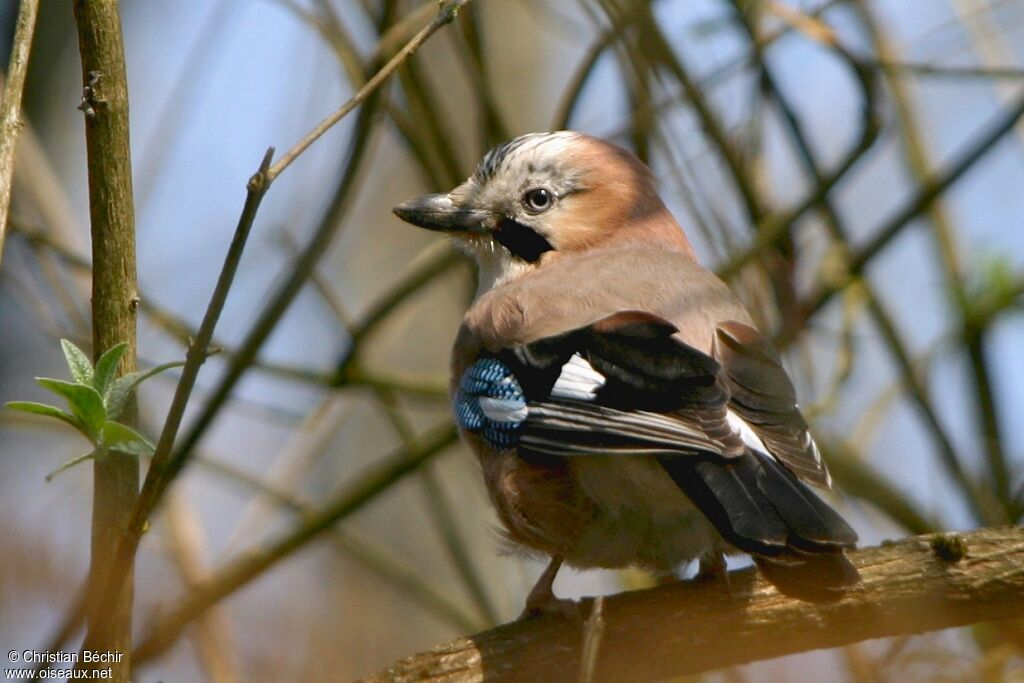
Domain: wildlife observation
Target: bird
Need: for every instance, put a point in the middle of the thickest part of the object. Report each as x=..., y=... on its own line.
x=623, y=406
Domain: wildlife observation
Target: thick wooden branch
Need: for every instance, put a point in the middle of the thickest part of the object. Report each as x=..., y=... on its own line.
x=114, y=303
x=923, y=583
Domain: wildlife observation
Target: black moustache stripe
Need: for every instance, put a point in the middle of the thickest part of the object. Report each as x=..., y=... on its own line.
x=522, y=241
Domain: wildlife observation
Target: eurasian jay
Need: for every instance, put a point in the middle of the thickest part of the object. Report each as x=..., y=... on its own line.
x=624, y=409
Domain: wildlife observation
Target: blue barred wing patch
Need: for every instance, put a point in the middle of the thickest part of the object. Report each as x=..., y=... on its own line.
x=490, y=402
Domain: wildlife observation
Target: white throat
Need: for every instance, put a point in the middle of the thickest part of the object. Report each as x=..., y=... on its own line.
x=495, y=264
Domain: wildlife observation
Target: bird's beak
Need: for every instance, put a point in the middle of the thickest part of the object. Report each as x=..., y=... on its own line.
x=439, y=212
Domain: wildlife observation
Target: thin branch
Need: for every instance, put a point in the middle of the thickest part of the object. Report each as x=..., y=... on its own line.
x=919, y=584
x=10, y=105
x=212, y=635
x=927, y=193
x=164, y=466
x=167, y=465
x=889, y=330
x=989, y=507
x=442, y=513
x=775, y=227
x=301, y=268
x=856, y=477
x=404, y=576
x=446, y=13
x=899, y=68
x=239, y=572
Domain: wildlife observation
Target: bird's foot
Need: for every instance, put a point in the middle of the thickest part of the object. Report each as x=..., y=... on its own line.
x=563, y=607
x=713, y=570
x=542, y=600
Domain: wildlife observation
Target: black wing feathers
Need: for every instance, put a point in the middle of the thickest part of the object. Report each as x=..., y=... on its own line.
x=759, y=506
x=645, y=366
x=816, y=526
x=762, y=394
x=666, y=399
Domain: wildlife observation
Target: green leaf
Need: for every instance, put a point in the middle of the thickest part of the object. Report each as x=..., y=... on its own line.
x=84, y=401
x=43, y=409
x=123, y=386
x=70, y=463
x=106, y=368
x=122, y=438
x=78, y=363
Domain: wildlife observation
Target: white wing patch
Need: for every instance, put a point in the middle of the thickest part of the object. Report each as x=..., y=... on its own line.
x=579, y=380
x=809, y=441
x=750, y=438
x=503, y=409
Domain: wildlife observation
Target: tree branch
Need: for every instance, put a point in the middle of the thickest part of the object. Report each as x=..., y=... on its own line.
x=919, y=584
x=114, y=305
x=446, y=13
x=238, y=572
x=10, y=105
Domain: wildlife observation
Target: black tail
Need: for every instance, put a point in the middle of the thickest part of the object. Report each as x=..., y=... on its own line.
x=763, y=509
x=814, y=578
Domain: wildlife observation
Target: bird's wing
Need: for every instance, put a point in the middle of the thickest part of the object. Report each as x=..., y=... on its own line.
x=626, y=385
x=763, y=396
x=622, y=384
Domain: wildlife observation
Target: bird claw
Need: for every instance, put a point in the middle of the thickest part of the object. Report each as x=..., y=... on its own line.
x=542, y=600
x=713, y=570
x=563, y=607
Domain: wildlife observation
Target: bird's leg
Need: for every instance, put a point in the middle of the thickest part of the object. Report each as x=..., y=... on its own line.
x=542, y=600
x=712, y=568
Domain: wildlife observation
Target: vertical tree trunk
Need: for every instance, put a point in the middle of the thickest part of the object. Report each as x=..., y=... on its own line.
x=114, y=302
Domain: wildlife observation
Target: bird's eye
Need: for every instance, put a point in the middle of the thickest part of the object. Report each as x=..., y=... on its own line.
x=538, y=200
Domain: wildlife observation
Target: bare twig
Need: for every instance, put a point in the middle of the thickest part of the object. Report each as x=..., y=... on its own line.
x=901, y=68
x=856, y=477
x=10, y=105
x=984, y=502
x=447, y=12
x=167, y=463
x=919, y=584
x=213, y=633
x=927, y=193
x=249, y=565
x=889, y=330
x=164, y=466
x=362, y=549
x=302, y=267
x=775, y=227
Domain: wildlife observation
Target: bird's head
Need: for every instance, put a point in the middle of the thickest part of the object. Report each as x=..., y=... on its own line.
x=542, y=196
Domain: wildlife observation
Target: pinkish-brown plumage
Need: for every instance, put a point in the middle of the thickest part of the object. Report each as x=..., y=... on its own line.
x=569, y=230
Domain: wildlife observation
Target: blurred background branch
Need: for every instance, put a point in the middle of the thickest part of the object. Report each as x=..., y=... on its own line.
x=11, y=88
